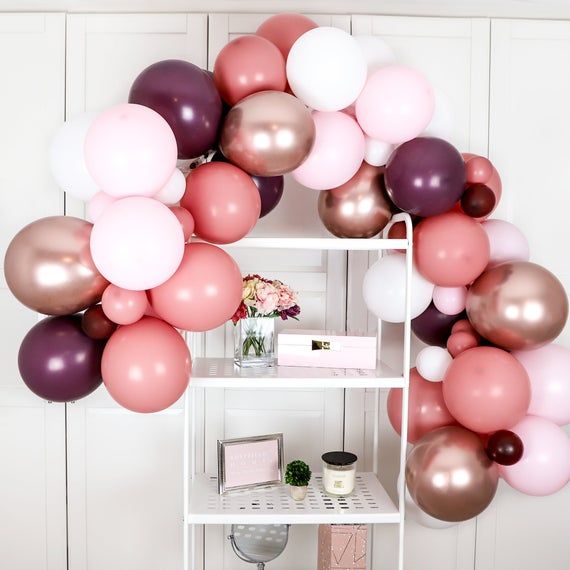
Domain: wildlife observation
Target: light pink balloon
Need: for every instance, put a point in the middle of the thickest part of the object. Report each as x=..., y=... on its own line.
x=548, y=368
x=507, y=242
x=396, y=104
x=545, y=465
x=449, y=300
x=96, y=206
x=146, y=366
x=336, y=155
x=137, y=243
x=123, y=306
x=130, y=150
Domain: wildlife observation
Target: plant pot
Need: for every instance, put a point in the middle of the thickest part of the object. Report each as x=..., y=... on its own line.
x=298, y=493
x=254, y=342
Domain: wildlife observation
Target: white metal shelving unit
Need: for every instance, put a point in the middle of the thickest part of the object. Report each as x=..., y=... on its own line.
x=369, y=504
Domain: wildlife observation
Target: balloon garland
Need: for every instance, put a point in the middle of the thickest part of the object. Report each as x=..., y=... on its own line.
x=489, y=393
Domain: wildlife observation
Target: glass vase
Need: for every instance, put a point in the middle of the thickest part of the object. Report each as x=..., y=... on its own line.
x=254, y=342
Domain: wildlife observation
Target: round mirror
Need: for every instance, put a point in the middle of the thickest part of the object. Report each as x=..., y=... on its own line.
x=259, y=543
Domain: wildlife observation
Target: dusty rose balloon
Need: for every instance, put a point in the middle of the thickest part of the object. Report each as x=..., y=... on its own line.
x=123, y=306
x=449, y=475
x=146, y=366
x=268, y=134
x=463, y=325
x=494, y=182
x=223, y=200
x=48, y=266
x=186, y=221
x=461, y=341
x=518, y=305
x=247, y=65
x=283, y=30
x=204, y=292
x=427, y=409
x=478, y=170
x=486, y=389
x=359, y=208
x=450, y=249
x=96, y=325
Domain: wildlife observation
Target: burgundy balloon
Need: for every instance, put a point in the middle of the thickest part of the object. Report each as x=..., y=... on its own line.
x=478, y=200
x=504, y=447
x=58, y=361
x=187, y=98
x=270, y=187
x=425, y=176
x=96, y=325
x=433, y=327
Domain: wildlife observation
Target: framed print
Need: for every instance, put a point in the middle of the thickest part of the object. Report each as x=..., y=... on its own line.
x=250, y=462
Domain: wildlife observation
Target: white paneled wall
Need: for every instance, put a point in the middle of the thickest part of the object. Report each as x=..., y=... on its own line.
x=123, y=471
x=32, y=432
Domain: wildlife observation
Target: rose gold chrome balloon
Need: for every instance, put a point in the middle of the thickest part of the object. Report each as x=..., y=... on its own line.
x=518, y=305
x=48, y=266
x=268, y=133
x=449, y=475
x=359, y=208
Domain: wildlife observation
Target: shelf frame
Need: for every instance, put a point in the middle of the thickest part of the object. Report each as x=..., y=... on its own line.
x=195, y=482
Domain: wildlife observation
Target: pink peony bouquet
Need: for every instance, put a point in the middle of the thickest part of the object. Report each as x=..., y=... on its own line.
x=265, y=298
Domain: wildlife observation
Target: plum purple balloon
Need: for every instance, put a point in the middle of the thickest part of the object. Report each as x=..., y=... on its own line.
x=186, y=98
x=433, y=327
x=425, y=176
x=58, y=361
x=270, y=190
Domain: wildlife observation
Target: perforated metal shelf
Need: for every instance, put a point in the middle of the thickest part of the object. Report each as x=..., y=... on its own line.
x=368, y=504
x=223, y=373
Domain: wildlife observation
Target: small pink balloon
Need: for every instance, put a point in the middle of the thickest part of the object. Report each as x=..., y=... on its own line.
x=478, y=170
x=137, y=243
x=336, y=155
x=463, y=325
x=97, y=205
x=123, y=306
x=461, y=341
x=545, y=465
x=186, y=220
x=507, y=242
x=146, y=366
x=449, y=300
x=549, y=371
x=396, y=104
x=130, y=150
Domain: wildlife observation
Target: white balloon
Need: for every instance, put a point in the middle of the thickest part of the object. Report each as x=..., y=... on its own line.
x=326, y=69
x=432, y=363
x=377, y=152
x=377, y=52
x=441, y=124
x=173, y=190
x=67, y=160
x=384, y=289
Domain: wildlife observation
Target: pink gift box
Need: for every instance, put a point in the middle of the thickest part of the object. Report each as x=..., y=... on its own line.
x=342, y=546
x=326, y=349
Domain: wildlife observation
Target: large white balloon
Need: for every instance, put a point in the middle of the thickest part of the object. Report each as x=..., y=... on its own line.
x=376, y=52
x=326, y=69
x=67, y=160
x=377, y=152
x=384, y=289
x=432, y=363
x=173, y=190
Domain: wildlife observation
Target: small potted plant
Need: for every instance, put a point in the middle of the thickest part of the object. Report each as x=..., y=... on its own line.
x=298, y=475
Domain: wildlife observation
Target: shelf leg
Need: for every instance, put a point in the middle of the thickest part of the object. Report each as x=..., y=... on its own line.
x=186, y=482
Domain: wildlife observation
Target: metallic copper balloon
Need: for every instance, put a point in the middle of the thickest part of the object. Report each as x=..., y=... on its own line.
x=449, y=475
x=359, y=208
x=48, y=266
x=268, y=133
x=518, y=305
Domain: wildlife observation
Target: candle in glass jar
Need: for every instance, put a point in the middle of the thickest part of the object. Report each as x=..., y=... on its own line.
x=339, y=473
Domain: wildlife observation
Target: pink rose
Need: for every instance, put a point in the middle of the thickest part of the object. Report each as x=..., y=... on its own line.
x=287, y=297
x=267, y=298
